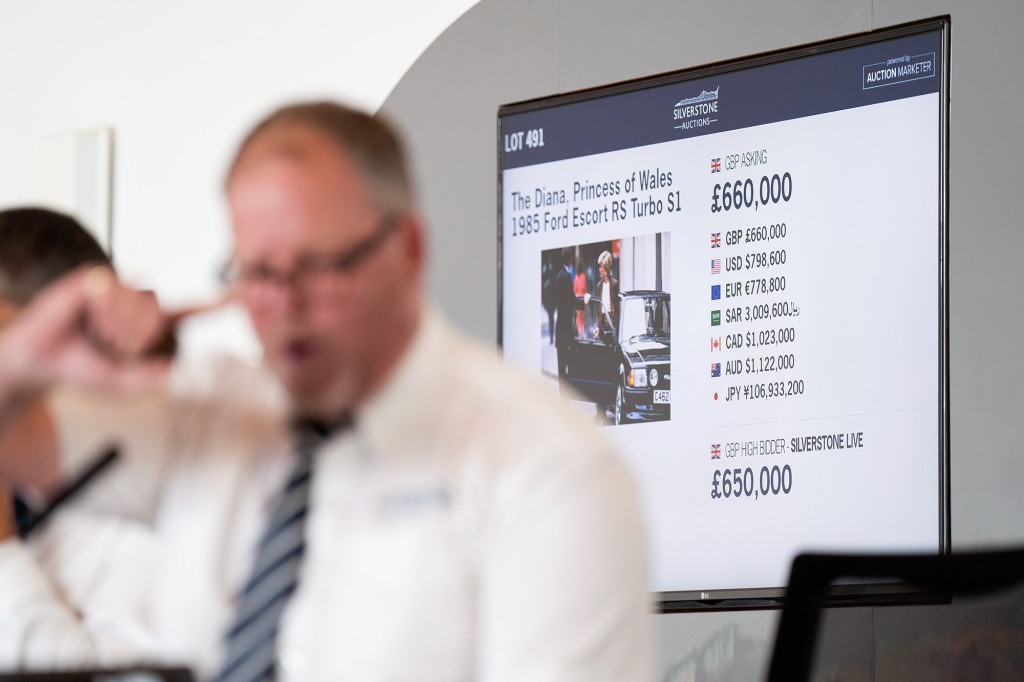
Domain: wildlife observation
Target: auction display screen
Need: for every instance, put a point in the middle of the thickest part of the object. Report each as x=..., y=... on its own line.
x=739, y=272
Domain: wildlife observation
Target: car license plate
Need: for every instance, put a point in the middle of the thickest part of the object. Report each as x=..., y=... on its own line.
x=663, y=396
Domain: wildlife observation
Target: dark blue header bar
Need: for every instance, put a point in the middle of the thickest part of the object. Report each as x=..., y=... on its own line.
x=814, y=81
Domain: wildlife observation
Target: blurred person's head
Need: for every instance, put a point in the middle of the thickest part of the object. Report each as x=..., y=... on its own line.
x=37, y=247
x=604, y=264
x=329, y=253
x=566, y=256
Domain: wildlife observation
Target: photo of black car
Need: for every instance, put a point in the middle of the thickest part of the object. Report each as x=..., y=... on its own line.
x=623, y=365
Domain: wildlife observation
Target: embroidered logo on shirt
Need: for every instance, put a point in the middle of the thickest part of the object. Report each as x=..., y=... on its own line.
x=414, y=501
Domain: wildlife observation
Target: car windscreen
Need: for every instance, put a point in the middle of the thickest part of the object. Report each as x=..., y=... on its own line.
x=645, y=317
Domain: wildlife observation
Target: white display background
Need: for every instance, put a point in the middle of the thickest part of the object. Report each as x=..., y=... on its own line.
x=862, y=266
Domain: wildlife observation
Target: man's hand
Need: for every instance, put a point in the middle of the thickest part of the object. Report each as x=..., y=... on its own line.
x=88, y=330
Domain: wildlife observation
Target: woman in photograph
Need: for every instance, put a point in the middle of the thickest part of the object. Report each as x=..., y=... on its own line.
x=607, y=289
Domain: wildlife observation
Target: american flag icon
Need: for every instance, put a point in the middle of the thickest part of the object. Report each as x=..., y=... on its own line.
x=716, y=266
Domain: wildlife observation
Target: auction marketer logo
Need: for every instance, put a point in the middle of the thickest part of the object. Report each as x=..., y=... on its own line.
x=696, y=112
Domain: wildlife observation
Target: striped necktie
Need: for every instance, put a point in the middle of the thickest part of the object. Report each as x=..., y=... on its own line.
x=251, y=641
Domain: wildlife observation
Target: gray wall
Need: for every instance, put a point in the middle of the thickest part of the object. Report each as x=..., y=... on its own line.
x=504, y=51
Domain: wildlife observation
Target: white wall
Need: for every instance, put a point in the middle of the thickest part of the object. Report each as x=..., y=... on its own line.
x=180, y=82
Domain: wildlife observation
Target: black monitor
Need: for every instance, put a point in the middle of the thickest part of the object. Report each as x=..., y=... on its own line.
x=756, y=252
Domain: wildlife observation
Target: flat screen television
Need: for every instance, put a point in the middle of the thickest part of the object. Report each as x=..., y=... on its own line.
x=739, y=271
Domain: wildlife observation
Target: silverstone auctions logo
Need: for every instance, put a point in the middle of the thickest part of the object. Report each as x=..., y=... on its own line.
x=696, y=112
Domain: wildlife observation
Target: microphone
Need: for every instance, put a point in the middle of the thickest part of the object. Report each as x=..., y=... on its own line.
x=68, y=492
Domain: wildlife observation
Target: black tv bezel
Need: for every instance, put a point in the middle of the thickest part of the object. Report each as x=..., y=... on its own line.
x=872, y=593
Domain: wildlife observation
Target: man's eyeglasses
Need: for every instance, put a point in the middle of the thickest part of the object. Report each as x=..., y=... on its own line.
x=312, y=273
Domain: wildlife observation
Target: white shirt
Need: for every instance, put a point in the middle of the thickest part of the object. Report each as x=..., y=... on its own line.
x=471, y=526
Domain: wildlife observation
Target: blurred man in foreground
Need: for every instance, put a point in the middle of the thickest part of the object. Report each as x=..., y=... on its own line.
x=38, y=247
x=456, y=520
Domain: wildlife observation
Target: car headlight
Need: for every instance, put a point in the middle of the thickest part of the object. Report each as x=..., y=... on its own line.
x=638, y=378
x=654, y=376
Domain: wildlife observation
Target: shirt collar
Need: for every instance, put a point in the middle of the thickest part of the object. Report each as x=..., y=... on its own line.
x=397, y=410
